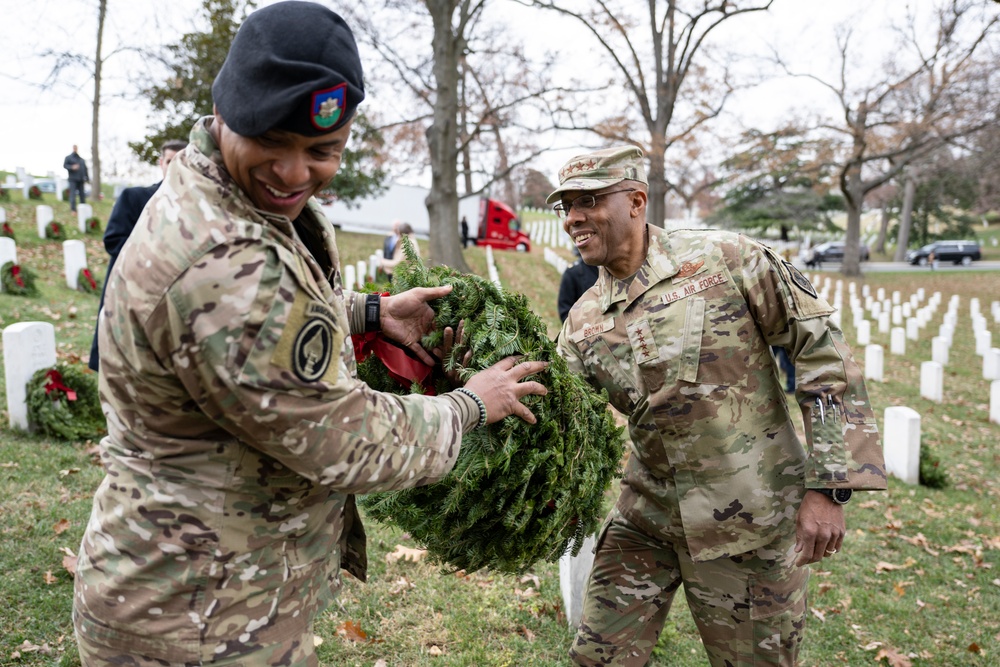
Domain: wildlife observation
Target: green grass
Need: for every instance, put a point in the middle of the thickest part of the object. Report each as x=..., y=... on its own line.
x=919, y=572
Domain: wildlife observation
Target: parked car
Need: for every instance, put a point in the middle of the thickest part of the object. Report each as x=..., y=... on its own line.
x=831, y=251
x=959, y=252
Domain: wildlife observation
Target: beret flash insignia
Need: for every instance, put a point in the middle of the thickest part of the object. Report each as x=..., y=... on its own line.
x=328, y=106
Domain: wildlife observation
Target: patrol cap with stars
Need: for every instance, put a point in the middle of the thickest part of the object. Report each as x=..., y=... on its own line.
x=600, y=169
x=292, y=66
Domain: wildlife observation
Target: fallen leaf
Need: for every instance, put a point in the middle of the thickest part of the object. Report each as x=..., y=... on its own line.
x=68, y=471
x=49, y=578
x=405, y=553
x=381, y=663
x=400, y=585
x=818, y=614
x=352, y=631
x=883, y=566
x=435, y=650
x=61, y=526
x=919, y=540
x=825, y=586
x=871, y=646
x=974, y=648
x=317, y=640
x=529, y=592
x=532, y=578
x=10, y=464
x=894, y=658
x=526, y=632
x=69, y=560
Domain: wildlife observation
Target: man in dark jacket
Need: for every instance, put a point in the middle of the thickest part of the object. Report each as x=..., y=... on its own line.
x=576, y=280
x=121, y=223
x=76, y=170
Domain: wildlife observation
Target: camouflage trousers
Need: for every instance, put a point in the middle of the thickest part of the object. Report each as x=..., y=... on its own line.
x=749, y=609
x=297, y=652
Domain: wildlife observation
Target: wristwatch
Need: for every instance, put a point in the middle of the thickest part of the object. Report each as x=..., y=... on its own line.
x=839, y=496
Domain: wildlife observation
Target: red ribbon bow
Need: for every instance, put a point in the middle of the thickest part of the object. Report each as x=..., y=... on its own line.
x=55, y=383
x=16, y=272
x=90, y=279
x=7, y=229
x=402, y=368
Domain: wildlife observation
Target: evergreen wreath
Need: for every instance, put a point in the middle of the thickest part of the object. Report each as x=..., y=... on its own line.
x=7, y=230
x=518, y=492
x=92, y=225
x=932, y=473
x=17, y=280
x=86, y=283
x=34, y=192
x=55, y=231
x=63, y=402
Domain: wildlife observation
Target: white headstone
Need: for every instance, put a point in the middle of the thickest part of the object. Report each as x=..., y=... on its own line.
x=880, y=294
x=873, y=362
x=43, y=216
x=362, y=268
x=896, y=297
x=83, y=211
x=991, y=364
x=883, y=322
x=349, y=277
x=897, y=315
x=939, y=350
x=74, y=259
x=27, y=347
x=10, y=181
x=8, y=250
x=3, y=214
x=995, y=401
x=984, y=341
x=864, y=332
x=897, y=342
x=912, y=328
x=26, y=182
x=902, y=443
x=574, y=571
x=932, y=381
x=866, y=290
x=372, y=266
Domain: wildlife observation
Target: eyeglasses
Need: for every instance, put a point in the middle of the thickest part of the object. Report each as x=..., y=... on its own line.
x=584, y=203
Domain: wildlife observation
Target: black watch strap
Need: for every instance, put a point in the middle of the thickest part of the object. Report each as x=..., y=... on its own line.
x=373, y=312
x=839, y=496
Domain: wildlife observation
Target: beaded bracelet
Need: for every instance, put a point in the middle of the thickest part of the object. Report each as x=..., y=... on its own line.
x=479, y=402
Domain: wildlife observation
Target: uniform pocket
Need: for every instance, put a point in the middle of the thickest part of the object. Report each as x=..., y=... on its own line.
x=777, y=612
x=605, y=368
x=694, y=325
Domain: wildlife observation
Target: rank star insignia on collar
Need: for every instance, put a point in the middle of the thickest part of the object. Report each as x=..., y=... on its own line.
x=328, y=106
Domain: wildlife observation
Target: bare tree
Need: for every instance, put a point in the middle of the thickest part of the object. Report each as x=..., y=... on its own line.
x=927, y=98
x=656, y=63
x=468, y=94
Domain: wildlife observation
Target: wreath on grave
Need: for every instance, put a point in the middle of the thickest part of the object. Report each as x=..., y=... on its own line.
x=518, y=493
x=92, y=225
x=55, y=231
x=17, y=280
x=34, y=192
x=63, y=402
x=7, y=230
x=86, y=283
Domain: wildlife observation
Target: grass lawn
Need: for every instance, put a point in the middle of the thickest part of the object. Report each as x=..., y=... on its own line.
x=918, y=581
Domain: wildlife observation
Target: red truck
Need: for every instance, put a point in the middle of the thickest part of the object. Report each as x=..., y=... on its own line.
x=500, y=228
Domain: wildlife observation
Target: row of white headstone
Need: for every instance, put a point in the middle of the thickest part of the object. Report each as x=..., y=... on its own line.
x=556, y=260
x=548, y=233
x=74, y=258
x=44, y=215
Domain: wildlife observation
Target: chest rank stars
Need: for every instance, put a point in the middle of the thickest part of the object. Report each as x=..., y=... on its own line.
x=643, y=345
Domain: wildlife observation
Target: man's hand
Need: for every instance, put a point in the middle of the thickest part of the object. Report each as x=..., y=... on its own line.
x=406, y=317
x=819, y=528
x=501, y=389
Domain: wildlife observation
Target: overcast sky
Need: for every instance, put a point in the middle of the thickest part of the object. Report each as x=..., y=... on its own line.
x=38, y=127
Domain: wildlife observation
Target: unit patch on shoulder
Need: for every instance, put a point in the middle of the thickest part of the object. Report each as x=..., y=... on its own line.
x=800, y=280
x=310, y=346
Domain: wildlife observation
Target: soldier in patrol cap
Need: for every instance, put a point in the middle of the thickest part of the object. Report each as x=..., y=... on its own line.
x=719, y=493
x=238, y=432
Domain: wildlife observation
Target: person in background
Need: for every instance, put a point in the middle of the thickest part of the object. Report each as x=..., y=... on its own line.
x=465, y=232
x=718, y=494
x=76, y=174
x=238, y=432
x=389, y=245
x=388, y=264
x=576, y=279
x=124, y=215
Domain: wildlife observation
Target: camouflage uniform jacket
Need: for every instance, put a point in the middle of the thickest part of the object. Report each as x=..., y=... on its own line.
x=684, y=352
x=238, y=431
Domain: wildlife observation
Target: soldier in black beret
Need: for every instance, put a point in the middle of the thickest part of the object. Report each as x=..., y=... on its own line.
x=238, y=432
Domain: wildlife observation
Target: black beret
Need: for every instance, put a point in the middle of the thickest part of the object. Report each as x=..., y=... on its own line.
x=292, y=66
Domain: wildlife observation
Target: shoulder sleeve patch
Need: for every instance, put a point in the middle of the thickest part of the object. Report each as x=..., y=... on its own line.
x=311, y=342
x=800, y=280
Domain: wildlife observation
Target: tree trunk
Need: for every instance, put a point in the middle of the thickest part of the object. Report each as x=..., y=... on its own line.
x=95, y=125
x=854, y=197
x=656, y=209
x=905, y=218
x=442, y=140
x=883, y=229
